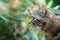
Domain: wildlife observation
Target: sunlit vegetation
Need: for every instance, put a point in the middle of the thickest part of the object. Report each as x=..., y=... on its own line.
x=14, y=19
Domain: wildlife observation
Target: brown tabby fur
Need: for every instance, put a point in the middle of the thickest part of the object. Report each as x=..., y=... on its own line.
x=52, y=27
x=52, y=24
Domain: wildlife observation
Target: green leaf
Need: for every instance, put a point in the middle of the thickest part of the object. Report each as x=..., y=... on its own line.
x=2, y=17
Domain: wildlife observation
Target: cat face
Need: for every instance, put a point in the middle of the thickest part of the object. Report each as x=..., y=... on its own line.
x=38, y=18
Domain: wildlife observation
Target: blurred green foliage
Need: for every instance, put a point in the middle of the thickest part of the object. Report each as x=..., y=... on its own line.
x=53, y=4
x=14, y=21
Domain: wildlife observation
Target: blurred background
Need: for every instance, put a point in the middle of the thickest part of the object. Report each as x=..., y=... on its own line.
x=15, y=16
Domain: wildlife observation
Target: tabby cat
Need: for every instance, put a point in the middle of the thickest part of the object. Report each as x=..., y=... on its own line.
x=48, y=20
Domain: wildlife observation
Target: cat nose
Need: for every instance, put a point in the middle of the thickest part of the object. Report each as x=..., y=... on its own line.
x=31, y=20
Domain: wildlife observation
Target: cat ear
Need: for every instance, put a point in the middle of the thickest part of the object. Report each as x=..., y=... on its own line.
x=39, y=7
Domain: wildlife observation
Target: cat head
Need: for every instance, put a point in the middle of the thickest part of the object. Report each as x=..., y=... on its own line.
x=40, y=17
